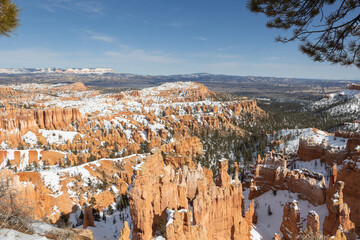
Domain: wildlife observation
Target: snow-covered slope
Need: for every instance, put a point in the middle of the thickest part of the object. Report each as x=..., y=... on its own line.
x=269, y=208
x=344, y=103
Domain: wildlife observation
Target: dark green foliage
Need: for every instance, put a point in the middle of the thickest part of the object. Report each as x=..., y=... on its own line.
x=269, y=212
x=122, y=203
x=162, y=227
x=104, y=217
x=110, y=210
x=145, y=147
x=63, y=221
x=92, y=201
x=96, y=214
x=327, y=29
x=91, y=158
x=9, y=17
x=20, y=147
x=289, y=115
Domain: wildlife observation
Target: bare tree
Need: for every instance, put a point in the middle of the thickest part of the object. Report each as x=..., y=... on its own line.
x=14, y=210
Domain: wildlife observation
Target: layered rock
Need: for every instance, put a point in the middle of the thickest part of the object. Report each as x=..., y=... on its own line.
x=88, y=217
x=290, y=226
x=158, y=188
x=78, y=86
x=350, y=174
x=182, y=152
x=272, y=173
x=50, y=193
x=17, y=122
x=313, y=222
x=125, y=232
x=310, y=150
x=339, y=212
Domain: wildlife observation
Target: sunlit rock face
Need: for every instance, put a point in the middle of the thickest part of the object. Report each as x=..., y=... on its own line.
x=192, y=207
x=71, y=149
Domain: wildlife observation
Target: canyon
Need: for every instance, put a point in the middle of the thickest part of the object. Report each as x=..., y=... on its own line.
x=125, y=165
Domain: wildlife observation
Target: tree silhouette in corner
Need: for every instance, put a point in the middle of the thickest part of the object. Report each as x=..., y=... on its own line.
x=9, y=17
x=329, y=30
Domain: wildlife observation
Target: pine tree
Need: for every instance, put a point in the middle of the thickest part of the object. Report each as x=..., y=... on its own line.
x=328, y=29
x=9, y=17
x=269, y=211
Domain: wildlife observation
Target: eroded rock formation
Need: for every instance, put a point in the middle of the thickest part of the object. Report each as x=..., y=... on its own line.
x=195, y=202
x=272, y=173
x=290, y=226
x=339, y=212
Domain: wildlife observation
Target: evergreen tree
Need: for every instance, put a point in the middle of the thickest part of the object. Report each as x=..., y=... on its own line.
x=327, y=29
x=9, y=17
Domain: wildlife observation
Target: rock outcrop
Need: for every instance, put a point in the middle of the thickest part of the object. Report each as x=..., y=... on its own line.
x=313, y=222
x=290, y=226
x=17, y=122
x=88, y=217
x=310, y=150
x=339, y=212
x=158, y=189
x=272, y=173
x=350, y=175
x=125, y=232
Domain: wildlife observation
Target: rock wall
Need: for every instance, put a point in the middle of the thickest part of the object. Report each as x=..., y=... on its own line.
x=313, y=222
x=310, y=150
x=339, y=212
x=290, y=226
x=16, y=122
x=350, y=175
x=195, y=203
x=272, y=173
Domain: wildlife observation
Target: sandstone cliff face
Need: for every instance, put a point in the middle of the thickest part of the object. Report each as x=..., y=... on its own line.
x=313, y=222
x=195, y=203
x=78, y=86
x=125, y=232
x=272, y=173
x=17, y=122
x=350, y=174
x=88, y=217
x=182, y=152
x=309, y=150
x=51, y=193
x=86, y=132
x=339, y=212
x=290, y=227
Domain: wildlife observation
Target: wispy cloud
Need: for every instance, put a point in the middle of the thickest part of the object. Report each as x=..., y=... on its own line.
x=126, y=52
x=99, y=37
x=200, y=38
x=142, y=56
x=226, y=48
x=71, y=5
x=175, y=24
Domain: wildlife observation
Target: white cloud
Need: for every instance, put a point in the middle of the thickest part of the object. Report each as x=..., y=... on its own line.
x=71, y=5
x=99, y=37
x=142, y=56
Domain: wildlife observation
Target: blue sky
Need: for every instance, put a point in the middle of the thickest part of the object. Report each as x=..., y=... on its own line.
x=156, y=37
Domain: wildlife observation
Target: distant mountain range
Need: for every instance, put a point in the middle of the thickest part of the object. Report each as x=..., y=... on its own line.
x=56, y=70
x=250, y=86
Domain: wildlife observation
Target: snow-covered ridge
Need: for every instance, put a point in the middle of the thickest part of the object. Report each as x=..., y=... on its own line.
x=56, y=70
x=339, y=103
